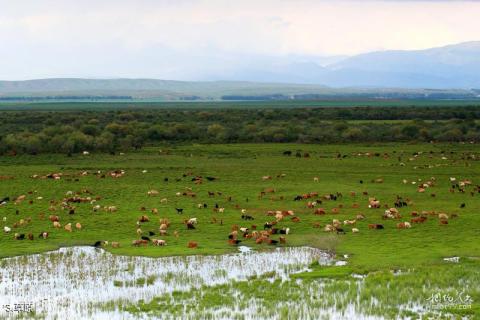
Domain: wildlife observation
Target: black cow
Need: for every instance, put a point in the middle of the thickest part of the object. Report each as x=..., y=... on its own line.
x=98, y=244
x=20, y=236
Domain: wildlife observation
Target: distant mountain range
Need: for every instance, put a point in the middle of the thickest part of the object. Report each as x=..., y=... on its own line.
x=451, y=72
x=453, y=66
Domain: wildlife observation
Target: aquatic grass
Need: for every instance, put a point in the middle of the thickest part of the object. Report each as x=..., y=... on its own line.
x=70, y=278
x=381, y=294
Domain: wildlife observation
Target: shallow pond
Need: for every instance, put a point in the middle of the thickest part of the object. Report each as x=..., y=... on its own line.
x=76, y=281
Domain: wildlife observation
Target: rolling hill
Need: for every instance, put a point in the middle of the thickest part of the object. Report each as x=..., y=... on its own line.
x=450, y=72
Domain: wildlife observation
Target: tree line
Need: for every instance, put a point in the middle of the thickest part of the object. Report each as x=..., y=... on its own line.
x=33, y=132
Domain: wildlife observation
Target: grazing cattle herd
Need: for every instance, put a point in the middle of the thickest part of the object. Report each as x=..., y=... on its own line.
x=278, y=224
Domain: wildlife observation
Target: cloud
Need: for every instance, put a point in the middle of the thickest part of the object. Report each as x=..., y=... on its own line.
x=66, y=35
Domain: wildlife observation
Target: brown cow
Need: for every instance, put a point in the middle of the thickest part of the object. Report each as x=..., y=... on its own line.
x=403, y=225
x=192, y=245
x=418, y=220
x=165, y=221
x=138, y=243
x=144, y=218
x=261, y=239
x=269, y=190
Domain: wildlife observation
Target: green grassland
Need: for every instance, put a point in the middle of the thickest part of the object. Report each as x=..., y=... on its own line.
x=239, y=169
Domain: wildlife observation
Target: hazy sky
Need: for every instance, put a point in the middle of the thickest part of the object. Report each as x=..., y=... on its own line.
x=180, y=39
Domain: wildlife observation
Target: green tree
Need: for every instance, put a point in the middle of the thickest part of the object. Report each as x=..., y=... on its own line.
x=410, y=131
x=215, y=130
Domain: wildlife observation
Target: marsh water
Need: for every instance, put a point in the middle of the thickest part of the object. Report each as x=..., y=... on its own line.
x=81, y=281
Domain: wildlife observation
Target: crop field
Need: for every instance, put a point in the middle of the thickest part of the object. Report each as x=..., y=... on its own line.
x=251, y=180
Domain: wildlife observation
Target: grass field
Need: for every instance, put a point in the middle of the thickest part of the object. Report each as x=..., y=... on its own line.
x=239, y=169
x=145, y=104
